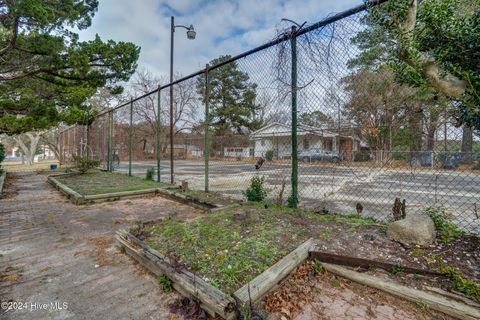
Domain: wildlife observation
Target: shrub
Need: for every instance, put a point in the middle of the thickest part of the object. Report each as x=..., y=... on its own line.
x=445, y=227
x=269, y=155
x=468, y=287
x=361, y=156
x=2, y=154
x=83, y=164
x=149, y=174
x=165, y=283
x=292, y=201
x=256, y=191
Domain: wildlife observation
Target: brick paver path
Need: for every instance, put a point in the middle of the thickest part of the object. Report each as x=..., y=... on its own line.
x=52, y=251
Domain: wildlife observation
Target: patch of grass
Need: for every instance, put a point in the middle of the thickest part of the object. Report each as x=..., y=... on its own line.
x=165, y=283
x=210, y=197
x=325, y=234
x=447, y=230
x=417, y=252
x=13, y=166
x=223, y=251
x=99, y=182
x=317, y=266
x=468, y=287
x=336, y=282
x=353, y=220
x=228, y=249
x=149, y=174
x=397, y=269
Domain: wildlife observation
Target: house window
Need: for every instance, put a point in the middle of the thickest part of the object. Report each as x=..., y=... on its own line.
x=306, y=144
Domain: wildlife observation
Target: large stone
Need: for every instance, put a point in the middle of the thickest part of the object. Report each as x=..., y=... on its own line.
x=415, y=229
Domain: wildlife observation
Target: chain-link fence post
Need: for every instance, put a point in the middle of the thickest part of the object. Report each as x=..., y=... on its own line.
x=294, y=197
x=85, y=135
x=110, y=143
x=130, y=140
x=207, y=123
x=97, y=143
x=158, y=134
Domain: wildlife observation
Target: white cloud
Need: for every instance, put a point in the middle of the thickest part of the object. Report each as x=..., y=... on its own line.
x=223, y=26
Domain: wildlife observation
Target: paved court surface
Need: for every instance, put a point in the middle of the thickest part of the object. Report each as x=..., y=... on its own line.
x=52, y=251
x=339, y=188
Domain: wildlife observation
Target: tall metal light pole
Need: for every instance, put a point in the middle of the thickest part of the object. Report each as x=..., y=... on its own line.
x=190, y=35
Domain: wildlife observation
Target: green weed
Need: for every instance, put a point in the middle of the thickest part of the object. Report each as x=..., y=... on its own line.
x=165, y=283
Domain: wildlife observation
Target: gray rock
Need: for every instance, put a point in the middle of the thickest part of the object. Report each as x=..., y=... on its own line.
x=415, y=229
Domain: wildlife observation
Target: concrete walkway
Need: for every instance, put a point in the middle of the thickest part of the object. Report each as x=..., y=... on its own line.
x=60, y=261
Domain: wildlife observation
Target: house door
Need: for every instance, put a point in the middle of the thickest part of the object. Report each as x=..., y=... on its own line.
x=346, y=148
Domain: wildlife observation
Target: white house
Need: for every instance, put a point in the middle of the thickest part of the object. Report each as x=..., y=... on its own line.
x=277, y=138
x=238, y=152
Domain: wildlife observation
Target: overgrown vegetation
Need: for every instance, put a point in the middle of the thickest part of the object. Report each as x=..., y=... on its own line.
x=99, y=182
x=447, y=230
x=48, y=74
x=165, y=283
x=397, y=269
x=231, y=247
x=269, y=155
x=468, y=287
x=83, y=164
x=361, y=156
x=2, y=154
x=149, y=174
x=256, y=191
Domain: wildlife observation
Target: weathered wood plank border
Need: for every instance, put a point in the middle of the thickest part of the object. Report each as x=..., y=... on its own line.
x=78, y=198
x=3, y=177
x=271, y=278
x=448, y=306
x=71, y=194
x=193, y=201
x=365, y=263
x=214, y=301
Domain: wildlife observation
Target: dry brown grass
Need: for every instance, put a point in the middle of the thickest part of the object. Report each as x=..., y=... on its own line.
x=10, y=277
x=18, y=166
x=102, y=244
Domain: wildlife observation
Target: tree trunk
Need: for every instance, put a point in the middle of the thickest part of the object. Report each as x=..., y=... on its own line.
x=28, y=143
x=416, y=130
x=431, y=130
x=467, y=143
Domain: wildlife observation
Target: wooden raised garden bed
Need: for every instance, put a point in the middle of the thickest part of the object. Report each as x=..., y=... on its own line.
x=85, y=188
x=3, y=177
x=201, y=256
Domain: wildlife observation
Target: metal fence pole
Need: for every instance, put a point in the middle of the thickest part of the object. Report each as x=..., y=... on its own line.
x=97, y=144
x=130, y=140
x=110, y=144
x=158, y=134
x=293, y=42
x=87, y=129
x=207, y=124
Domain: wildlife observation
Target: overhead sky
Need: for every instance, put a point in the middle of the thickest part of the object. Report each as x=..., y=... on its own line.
x=223, y=26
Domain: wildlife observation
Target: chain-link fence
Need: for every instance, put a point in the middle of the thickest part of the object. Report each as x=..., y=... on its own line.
x=335, y=135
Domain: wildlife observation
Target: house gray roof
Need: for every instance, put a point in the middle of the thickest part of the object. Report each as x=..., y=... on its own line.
x=277, y=129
